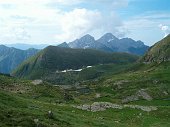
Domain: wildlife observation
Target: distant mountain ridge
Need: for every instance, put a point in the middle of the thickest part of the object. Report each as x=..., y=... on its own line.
x=23, y=46
x=10, y=58
x=110, y=43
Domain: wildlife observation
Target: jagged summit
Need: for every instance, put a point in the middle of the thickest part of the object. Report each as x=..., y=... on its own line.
x=64, y=45
x=107, y=38
x=84, y=42
x=87, y=36
x=109, y=43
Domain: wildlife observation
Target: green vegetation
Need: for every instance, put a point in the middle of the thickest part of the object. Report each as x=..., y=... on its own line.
x=143, y=90
x=159, y=52
x=53, y=59
x=22, y=102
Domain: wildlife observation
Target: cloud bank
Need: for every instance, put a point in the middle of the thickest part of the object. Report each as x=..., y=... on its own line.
x=56, y=21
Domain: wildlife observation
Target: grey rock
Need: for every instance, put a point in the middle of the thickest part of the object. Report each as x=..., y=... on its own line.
x=102, y=106
x=141, y=93
x=144, y=94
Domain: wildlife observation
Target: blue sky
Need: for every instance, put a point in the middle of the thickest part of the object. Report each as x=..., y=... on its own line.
x=56, y=21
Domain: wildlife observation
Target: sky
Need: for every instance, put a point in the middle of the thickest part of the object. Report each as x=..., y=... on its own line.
x=57, y=21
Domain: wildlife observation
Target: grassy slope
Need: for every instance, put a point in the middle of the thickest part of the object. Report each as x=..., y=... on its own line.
x=153, y=78
x=88, y=74
x=159, y=51
x=22, y=102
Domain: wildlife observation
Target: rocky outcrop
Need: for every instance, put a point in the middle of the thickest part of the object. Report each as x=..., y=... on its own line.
x=102, y=106
x=130, y=98
x=99, y=106
x=143, y=108
x=141, y=93
x=144, y=95
x=37, y=82
x=119, y=84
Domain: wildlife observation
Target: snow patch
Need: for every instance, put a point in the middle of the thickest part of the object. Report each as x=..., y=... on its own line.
x=71, y=70
x=110, y=40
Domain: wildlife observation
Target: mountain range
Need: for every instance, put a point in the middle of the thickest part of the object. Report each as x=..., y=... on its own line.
x=10, y=58
x=109, y=43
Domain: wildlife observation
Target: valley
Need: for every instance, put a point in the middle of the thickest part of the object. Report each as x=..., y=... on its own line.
x=23, y=102
x=120, y=89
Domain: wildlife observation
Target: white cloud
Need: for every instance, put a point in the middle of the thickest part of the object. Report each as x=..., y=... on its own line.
x=145, y=26
x=14, y=31
x=21, y=34
x=28, y=2
x=78, y=22
x=36, y=21
x=165, y=29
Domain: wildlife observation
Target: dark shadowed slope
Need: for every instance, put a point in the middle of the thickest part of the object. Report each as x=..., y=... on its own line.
x=10, y=58
x=53, y=59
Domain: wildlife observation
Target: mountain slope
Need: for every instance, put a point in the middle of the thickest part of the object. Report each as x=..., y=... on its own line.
x=109, y=40
x=24, y=103
x=63, y=45
x=84, y=42
x=53, y=59
x=159, y=52
x=10, y=58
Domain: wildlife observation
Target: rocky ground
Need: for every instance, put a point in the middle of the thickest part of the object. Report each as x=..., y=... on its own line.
x=102, y=106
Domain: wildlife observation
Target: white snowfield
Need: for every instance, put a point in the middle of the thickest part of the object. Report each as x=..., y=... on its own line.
x=71, y=70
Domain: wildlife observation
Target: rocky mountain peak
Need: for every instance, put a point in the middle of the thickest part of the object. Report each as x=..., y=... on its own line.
x=64, y=45
x=108, y=37
x=87, y=37
x=108, y=42
x=84, y=42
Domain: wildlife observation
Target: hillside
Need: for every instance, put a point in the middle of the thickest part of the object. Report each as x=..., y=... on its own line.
x=10, y=58
x=55, y=59
x=135, y=98
x=159, y=52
